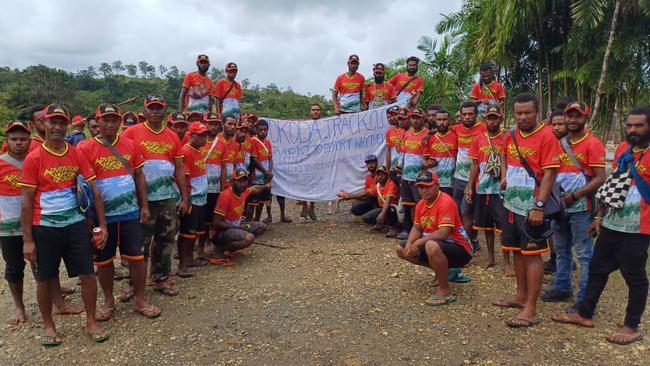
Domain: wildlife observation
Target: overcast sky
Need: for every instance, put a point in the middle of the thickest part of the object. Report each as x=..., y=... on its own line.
x=302, y=44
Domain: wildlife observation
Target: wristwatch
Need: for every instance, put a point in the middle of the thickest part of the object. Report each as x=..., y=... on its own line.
x=539, y=204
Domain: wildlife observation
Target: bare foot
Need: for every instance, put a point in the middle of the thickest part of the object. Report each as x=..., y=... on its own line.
x=68, y=309
x=572, y=318
x=624, y=335
x=18, y=317
x=489, y=264
x=509, y=270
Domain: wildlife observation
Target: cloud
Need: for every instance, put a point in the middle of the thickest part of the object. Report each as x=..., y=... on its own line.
x=299, y=44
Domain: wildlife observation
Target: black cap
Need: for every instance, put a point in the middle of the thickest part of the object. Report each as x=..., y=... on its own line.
x=154, y=98
x=57, y=110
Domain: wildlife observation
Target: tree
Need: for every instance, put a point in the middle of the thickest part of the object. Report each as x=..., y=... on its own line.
x=173, y=73
x=151, y=71
x=118, y=66
x=106, y=69
x=163, y=70
x=131, y=70
x=216, y=73
x=142, y=65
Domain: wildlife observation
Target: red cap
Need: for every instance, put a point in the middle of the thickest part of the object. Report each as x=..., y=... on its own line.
x=200, y=58
x=177, y=117
x=197, y=128
x=211, y=117
x=426, y=179
x=17, y=125
x=56, y=110
x=154, y=99
x=239, y=173
x=194, y=114
x=105, y=110
x=582, y=108
x=493, y=110
x=78, y=121
x=231, y=66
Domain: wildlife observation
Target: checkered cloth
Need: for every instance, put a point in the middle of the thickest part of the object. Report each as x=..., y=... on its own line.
x=613, y=192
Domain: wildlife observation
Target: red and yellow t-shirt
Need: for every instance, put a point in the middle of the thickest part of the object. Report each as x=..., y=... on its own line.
x=194, y=163
x=480, y=151
x=369, y=182
x=243, y=154
x=222, y=86
x=377, y=96
x=349, y=89
x=440, y=213
x=231, y=206
x=54, y=176
x=226, y=151
x=634, y=217
x=114, y=182
x=443, y=148
x=160, y=150
x=413, y=147
x=199, y=88
x=493, y=91
x=590, y=153
x=263, y=152
x=36, y=141
x=465, y=138
x=212, y=165
x=414, y=87
x=394, y=136
x=541, y=149
x=10, y=199
x=388, y=192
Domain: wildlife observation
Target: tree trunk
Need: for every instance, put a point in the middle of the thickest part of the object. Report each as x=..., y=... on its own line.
x=603, y=70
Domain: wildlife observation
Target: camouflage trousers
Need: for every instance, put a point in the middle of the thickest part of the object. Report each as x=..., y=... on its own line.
x=161, y=228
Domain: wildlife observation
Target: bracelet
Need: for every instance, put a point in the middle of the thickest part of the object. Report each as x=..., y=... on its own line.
x=599, y=218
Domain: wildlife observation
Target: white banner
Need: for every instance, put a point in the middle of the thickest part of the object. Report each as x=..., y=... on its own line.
x=314, y=159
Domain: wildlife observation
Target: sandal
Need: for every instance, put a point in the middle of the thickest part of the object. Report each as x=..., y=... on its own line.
x=104, y=315
x=98, y=336
x=51, y=341
x=167, y=290
x=436, y=301
x=623, y=339
x=222, y=262
x=149, y=312
x=127, y=295
x=235, y=254
x=507, y=304
x=516, y=322
x=184, y=273
x=198, y=262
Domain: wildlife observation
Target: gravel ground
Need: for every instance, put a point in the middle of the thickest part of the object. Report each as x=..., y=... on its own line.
x=326, y=293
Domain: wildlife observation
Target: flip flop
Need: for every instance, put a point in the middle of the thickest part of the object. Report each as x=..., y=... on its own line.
x=507, y=304
x=51, y=341
x=184, y=273
x=104, y=315
x=235, y=254
x=149, y=312
x=456, y=275
x=199, y=262
x=436, y=301
x=167, y=291
x=516, y=322
x=126, y=296
x=99, y=336
x=222, y=262
x=628, y=340
x=565, y=319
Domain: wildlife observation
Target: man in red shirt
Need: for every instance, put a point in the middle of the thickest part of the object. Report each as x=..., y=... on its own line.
x=367, y=201
x=262, y=160
x=233, y=236
x=196, y=93
x=178, y=123
x=487, y=91
x=36, y=121
x=347, y=96
x=441, y=150
x=525, y=198
x=228, y=92
x=393, y=136
x=53, y=225
x=437, y=239
x=408, y=85
x=378, y=93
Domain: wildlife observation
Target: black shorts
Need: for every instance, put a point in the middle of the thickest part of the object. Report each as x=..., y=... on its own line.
x=409, y=193
x=236, y=234
x=70, y=243
x=464, y=207
x=488, y=212
x=263, y=197
x=457, y=256
x=193, y=224
x=128, y=236
x=513, y=238
x=209, y=207
x=12, y=252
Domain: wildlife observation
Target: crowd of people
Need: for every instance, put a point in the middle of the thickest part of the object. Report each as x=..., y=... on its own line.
x=198, y=180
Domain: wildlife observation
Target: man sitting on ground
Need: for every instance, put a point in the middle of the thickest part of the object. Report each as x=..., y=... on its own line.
x=368, y=202
x=437, y=239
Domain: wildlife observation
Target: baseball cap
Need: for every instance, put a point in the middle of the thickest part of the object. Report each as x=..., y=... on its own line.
x=582, y=108
x=393, y=110
x=211, y=117
x=154, y=99
x=106, y=109
x=426, y=179
x=404, y=113
x=197, y=128
x=195, y=114
x=370, y=157
x=200, y=58
x=251, y=117
x=129, y=119
x=378, y=65
x=230, y=66
x=381, y=168
x=353, y=57
x=78, y=121
x=177, y=117
x=56, y=110
x=417, y=113
x=141, y=118
x=243, y=124
x=239, y=174
x=493, y=110
x=17, y=125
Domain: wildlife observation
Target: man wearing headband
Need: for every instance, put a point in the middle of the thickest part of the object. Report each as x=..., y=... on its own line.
x=228, y=92
x=378, y=93
x=437, y=239
x=348, y=89
x=196, y=92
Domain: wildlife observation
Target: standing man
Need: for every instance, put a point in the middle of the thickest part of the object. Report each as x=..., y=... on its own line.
x=348, y=89
x=177, y=122
x=413, y=150
x=441, y=151
x=196, y=93
x=524, y=199
x=124, y=190
x=408, y=85
x=581, y=173
x=431, y=116
x=92, y=125
x=487, y=91
x=308, y=211
x=54, y=227
x=466, y=132
x=623, y=236
x=393, y=136
x=483, y=189
x=129, y=119
x=262, y=159
x=228, y=93
x=378, y=93
x=35, y=113
x=77, y=133
x=164, y=173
